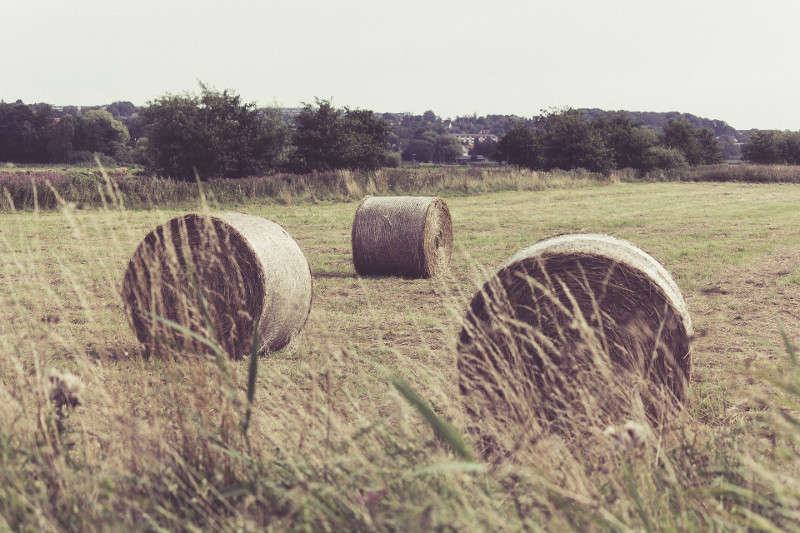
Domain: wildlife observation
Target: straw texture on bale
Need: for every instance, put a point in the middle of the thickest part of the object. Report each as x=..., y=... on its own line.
x=402, y=235
x=218, y=275
x=565, y=311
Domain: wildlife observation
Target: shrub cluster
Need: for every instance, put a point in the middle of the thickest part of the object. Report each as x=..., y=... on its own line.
x=81, y=187
x=216, y=135
x=326, y=138
x=723, y=172
x=569, y=140
x=212, y=134
x=36, y=134
x=773, y=147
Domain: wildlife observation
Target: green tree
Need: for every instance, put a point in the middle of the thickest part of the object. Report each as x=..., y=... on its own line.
x=26, y=132
x=316, y=138
x=431, y=146
x=486, y=148
x=710, y=148
x=418, y=150
x=177, y=142
x=629, y=142
x=730, y=148
x=365, y=139
x=519, y=146
x=763, y=147
x=568, y=140
x=698, y=145
x=447, y=149
x=790, y=147
x=663, y=157
x=98, y=131
x=60, y=136
x=327, y=138
x=214, y=133
x=121, y=109
x=773, y=147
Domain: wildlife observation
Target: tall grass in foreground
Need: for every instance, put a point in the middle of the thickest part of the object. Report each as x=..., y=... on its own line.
x=46, y=189
x=334, y=443
x=26, y=189
x=751, y=173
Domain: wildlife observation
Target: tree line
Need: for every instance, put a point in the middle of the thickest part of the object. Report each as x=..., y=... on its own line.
x=773, y=147
x=37, y=135
x=569, y=139
x=216, y=134
x=210, y=134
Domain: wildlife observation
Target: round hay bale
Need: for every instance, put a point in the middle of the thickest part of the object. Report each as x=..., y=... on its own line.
x=402, y=235
x=575, y=323
x=230, y=270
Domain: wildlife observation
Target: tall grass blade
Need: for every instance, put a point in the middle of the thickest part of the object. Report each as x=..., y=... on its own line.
x=791, y=351
x=450, y=467
x=189, y=332
x=252, y=374
x=441, y=427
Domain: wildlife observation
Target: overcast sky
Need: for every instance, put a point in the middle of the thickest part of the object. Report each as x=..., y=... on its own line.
x=733, y=60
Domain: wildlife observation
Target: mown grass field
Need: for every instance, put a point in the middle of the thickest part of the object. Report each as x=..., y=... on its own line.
x=331, y=445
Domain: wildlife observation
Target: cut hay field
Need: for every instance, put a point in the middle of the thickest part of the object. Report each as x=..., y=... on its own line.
x=331, y=445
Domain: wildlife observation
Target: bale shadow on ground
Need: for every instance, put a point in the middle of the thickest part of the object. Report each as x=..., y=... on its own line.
x=351, y=275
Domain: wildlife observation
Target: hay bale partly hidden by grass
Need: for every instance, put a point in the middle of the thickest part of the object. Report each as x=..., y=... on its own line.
x=576, y=329
x=218, y=276
x=402, y=235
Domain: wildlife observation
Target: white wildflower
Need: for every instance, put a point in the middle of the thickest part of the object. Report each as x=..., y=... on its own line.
x=64, y=389
x=630, y=435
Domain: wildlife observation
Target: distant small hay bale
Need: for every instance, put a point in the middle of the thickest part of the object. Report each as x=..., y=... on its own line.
x=531, y=338
x=402, y=235
x=247, y=268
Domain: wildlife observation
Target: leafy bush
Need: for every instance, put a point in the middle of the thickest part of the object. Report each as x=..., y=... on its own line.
x=391, y=159
x=519, y=147
x=98, y=131
x=629, y=142
x=698, y=145
x=664, y=158
x=34, y=134
x=214, y=134
x=773, y=147
x=327, y=138
x=569, y=140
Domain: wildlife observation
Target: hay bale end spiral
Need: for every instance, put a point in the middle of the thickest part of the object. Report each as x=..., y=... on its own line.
x=573, y=317
x=217, y=275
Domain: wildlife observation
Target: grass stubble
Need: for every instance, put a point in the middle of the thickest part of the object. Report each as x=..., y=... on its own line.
x=361, y=427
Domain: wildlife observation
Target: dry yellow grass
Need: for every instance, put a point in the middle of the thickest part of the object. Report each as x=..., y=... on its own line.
x=334, y=440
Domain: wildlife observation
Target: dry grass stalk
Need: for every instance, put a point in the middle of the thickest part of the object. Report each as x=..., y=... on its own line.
x=218, y=276
x=573, y=333
x=402, y=235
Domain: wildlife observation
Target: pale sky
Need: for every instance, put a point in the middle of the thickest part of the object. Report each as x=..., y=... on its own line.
x=733, y=60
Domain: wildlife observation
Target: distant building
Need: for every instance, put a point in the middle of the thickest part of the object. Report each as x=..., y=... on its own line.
x=468, y=140
x=471, y=138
